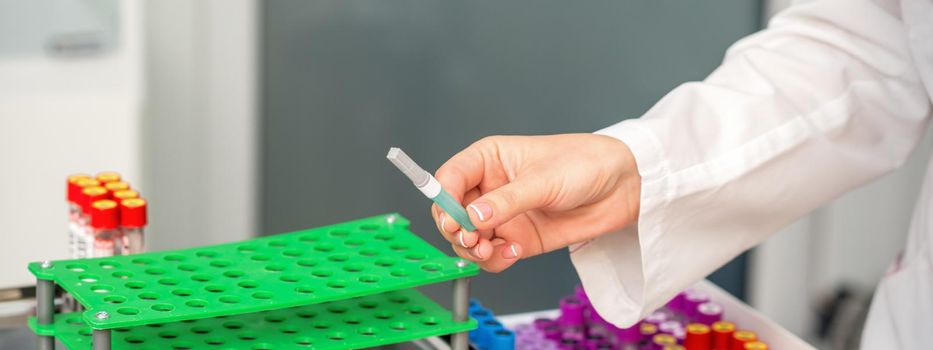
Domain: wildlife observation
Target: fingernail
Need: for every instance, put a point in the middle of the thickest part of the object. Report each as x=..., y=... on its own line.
x=483, y=211
x=477, y=252
x=467, y=239
x=512, y=251
x=443, y=223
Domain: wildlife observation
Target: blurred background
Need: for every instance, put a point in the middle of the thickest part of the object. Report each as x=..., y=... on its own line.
x=241, y=118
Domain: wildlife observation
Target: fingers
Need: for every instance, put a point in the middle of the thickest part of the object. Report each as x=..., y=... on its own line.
x=462, y=172
x=498, y=206
x=493, y=256
x=449, y=227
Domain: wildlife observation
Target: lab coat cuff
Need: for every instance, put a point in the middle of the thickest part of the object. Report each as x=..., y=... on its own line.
x=622, y=271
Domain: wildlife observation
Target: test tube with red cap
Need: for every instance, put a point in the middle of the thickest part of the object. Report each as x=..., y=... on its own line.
x=107, y=176
x=73, y=189
x=105, y=223
x=115, y=186
x=740, y=338
x=722, y=335
x=120, y=196
x=85, y=239
x=133, y=224
x=699, y=337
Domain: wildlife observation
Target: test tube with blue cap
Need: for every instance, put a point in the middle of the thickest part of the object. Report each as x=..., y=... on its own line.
x=431, y=188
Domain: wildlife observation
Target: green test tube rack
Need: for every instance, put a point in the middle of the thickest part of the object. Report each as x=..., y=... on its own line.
x=344, y=286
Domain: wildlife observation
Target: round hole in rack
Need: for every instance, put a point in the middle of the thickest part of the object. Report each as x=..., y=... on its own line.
x=415, y=256
x=431, y=267
x=338, y=258
x=114, y=299
x=168, y=281
x=399, y=326
x=202, y=277
x=429, y=321
x=229, y=299
x=174, y=257
x=214, y=341
x=182, y=345
x=278, y=243
x=206, y=254
x=196, y=303
x=142, y=261
x=108, y=264
x=260, y=257
x=337, y=309
x=129, y=311
x=200, y=329
x=292, y=253
x=369, y=227
x=384, y=315
x=398, y=247
x=76, y=267
x=339, y=233
x=324, y=247
x=352, y=320
x=304, y=289
x=122, y=274
x=234, y=273
x=234, y=325
x=368, y=304
x=290, y=278
x=400, y=273
x=384, y=236
x=320, y=325
x=368, y=331
x=135, y=339
x=101, y=288
x=122, y=329
x=249, y=248
x=307, y=263
x=353, y=267
x=479, y=313
x=148, y=296
x=163, y=307
x=168, y=334
x=274, y=318
x=248, y=284
x=399, y=299
x=88, y=278
x=85, y=332
x=354, y=242
x=155, y=271
x=305, y=313
x=275, y=267
x=135, y=284
x=221, y=263
x=262, y=346
x=322, y=273
x=263, y=295
x=385, y=262
x=247, y=336
x=289, y=329
x=368, y=279
x=303, y=341
x=338, y=336
x=416, y=310
x=182, y=292
x=188, y=267
x=75, y=321
x=215, y=288
x=369, y=252
x=338, y=284
x=310, y=238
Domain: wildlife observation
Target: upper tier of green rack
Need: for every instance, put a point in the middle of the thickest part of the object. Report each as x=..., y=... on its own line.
x=373, y=320
x=350, y=259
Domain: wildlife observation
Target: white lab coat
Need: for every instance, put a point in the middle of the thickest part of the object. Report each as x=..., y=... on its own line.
x=833, y=94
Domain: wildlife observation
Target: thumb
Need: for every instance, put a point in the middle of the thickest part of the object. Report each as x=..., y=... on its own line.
x=498, y=206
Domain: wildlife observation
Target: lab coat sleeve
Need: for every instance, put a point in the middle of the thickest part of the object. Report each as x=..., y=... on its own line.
x=824, y=100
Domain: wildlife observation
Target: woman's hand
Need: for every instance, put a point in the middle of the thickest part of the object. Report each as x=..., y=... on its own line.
x=529, y=195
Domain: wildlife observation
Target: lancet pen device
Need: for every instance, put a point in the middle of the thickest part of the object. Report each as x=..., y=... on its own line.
x=430, y=187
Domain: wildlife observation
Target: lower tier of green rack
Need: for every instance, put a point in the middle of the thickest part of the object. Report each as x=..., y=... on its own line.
x=363, y=322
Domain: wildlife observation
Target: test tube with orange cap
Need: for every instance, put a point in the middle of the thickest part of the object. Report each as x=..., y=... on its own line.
x=722, y=335
x=740, y=338
x=699, y=337
x=107, y=176
x=105, y=222
x=133, y=222
x=72, y=190
x=85, y=239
